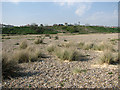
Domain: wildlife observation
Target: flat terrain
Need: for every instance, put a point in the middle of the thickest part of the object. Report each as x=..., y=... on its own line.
x=53, y=72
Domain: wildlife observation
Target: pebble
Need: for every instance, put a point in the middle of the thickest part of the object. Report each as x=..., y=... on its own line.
x=56, y=74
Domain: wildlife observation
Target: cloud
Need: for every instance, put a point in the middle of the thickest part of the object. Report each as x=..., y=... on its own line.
x=64, y=2
x=83, y=8
x=101, y=18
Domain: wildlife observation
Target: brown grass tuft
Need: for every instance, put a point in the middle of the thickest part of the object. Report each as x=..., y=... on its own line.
x=38, y=41
x=9, y=66
x=23, y=45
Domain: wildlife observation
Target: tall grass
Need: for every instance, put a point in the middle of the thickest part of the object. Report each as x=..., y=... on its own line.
x=68, y=54
x=51, y=48
x=67, y=45
x=38, y=41
x=27, y=55
x=10, y=63
x=23, y=44
x=92, y=46
x=9, y=66
x=107, y=57
x=104, y=46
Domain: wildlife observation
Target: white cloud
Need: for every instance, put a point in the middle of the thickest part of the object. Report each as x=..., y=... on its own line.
x=101, y=18
x=64, y=2
x=60, y=0
x=83, y=8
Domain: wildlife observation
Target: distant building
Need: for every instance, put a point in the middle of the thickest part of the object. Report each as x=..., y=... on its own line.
x=66, y=24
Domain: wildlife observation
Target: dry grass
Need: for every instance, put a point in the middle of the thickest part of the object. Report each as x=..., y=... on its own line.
x=117, y=58
x=9, y=66
x=81, y=44
x=89, y=46
x=51, y=48
x=68, y=54
x=67, y=45
x=78, y=70
x=38, y=41
x=22, y=56
x=23, y=44
x=100, y=47
x=104, y=46
x=30, y=54
x=10, y=62
x=107, y=58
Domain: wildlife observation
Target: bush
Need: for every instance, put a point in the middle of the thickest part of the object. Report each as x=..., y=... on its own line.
x=65, y=40
x=51, y=48
x=56, y=37
x=30, y=54
x=22, y=56
x=38, y=41
x=104, y=46
x=33, y=56
x=23, y=45
x=9, y=66
x=67, y=44
x=68, y=54
x=107, y=57
x=81, y=44
x=47, y=35
x=117, y=58
x=89, y=46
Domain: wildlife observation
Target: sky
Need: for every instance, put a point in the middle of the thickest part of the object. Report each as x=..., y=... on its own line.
x=93, y=13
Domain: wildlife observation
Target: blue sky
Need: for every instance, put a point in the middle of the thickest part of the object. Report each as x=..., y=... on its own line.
x=94, y=13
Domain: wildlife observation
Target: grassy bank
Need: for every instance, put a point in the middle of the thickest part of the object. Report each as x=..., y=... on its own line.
x=58, y=29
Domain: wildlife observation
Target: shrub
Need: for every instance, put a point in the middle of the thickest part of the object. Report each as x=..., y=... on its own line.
x=107, y=57
x=22, y=56
x=56, y=37
x=65, y=40
x=38, y=41
x=23, y=45
x=68, y=54
x=67, y=44
x=89, y=46
x=51, y=48
x=38, y=53
x=50, y=37
x=104, y=46
x=16, y=43
x=47, y=35
x=30, y=54
x=31, y=48
x=33, y=56
x=117, y=58
x=9, y=66
x=81, y=44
